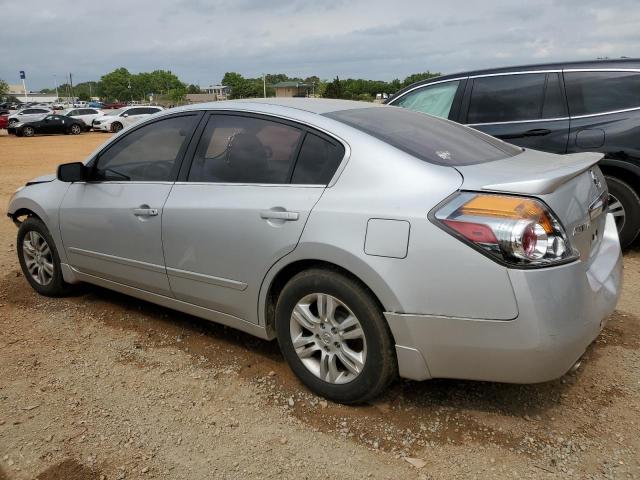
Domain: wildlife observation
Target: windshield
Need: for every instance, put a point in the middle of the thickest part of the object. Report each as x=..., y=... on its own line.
x=428, y=138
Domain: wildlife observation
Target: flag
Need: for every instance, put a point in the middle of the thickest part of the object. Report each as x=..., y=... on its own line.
x=22, y=75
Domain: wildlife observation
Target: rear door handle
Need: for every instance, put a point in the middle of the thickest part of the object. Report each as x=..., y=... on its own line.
x=145, y=212
x=536, y=132
x=279, y=215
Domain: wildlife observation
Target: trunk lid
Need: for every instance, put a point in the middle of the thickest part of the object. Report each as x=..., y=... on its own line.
x=571, y=185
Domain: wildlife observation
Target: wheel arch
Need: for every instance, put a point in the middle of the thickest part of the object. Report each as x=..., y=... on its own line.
x=350, y=266
x=623, y=170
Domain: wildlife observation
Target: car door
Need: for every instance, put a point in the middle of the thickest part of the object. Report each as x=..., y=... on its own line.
x=111, y=224
x=236, y=212
x=526, y=109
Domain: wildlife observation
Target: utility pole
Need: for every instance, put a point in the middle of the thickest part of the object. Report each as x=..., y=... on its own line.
x=73, y=98
x=264, y=85
x=55, y=80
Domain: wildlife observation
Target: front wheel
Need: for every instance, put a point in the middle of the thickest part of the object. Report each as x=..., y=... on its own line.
x=39, y=259
x=624, y=205
x=334, y=336
x=116, y=127
x=28, y=131
x=75, y=129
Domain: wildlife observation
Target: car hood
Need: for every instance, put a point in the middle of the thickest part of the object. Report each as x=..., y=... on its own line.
x=42, y=179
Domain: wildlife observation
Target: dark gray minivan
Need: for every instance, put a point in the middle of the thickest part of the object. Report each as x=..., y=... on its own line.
x=559, y=108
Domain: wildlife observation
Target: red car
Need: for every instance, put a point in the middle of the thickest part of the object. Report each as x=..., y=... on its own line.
x=4, y=121
x=115, y=105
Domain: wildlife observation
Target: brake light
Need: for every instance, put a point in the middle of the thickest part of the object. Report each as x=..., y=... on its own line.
x=519, y=231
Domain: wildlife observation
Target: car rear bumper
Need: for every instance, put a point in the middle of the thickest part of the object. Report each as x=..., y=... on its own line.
x=561, y=311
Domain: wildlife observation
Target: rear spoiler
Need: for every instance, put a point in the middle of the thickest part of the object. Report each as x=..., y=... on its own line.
x=530, y=173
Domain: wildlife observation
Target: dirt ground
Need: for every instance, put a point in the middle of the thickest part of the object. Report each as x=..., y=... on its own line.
x=103, y=386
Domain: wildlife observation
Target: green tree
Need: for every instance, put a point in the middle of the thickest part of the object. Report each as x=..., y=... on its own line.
x=84, y=96
x=416, y=77
x=193, y=88
x=4, y=87
x=333, y=89
x=177, y=95
x=239, y=85
x=116, y=85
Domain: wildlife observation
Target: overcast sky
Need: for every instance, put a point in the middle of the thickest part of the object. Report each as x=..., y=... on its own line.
x=201, y=40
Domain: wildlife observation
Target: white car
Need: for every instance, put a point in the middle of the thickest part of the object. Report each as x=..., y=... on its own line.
x=116, y=120
x=28, y=115
x=87, y=115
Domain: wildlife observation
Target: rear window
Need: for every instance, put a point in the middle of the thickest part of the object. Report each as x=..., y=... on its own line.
x=428, y=138
x=599, y=92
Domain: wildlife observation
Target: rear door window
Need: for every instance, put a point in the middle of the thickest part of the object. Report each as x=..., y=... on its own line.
x=507, y=98
x=599, y=92
x=435, y=99
x=318, y=161
x=243, y=149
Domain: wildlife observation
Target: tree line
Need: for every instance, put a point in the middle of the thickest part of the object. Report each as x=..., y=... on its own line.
x=123, y=85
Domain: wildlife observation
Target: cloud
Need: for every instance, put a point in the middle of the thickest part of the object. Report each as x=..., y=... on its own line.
x=200, y=40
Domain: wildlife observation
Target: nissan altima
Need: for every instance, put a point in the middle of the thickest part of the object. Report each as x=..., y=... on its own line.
x=371, y=241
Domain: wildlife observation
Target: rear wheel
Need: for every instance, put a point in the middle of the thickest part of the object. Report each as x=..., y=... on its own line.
x=39, y=259
x=116, y=127
x=334, y=336
x=624, y=205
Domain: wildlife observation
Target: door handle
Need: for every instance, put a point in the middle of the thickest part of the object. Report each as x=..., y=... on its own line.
x=279, y=215
x=536, y=132
x=145, y=212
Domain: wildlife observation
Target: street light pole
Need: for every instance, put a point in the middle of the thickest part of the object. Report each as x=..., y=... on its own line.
x=55, y=80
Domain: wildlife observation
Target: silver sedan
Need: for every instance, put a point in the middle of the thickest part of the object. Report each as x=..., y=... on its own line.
x=371, y=241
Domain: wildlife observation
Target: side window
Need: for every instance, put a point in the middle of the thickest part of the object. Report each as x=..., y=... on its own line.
x=148, y=153
x=151, y=111
x=432, y=99
x=133, y=111
x=29, y=111
x=72, y=113
x=318, y=161
x=87, y=111
x=506, y=98
x=238, y=149
x=555, y=105
x=599, y=92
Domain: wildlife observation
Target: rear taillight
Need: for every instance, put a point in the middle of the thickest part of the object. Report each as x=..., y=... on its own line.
x=518, y=231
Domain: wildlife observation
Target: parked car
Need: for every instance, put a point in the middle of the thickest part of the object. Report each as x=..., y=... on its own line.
x=50, y=124
x=114, y=105
x=87, y=115
x=118, y=119
x=28, y=115
x=370, y=240
x=557, y=108
x=4, y=121
x=99, y=105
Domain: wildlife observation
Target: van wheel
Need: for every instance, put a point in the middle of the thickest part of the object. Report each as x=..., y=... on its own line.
x=624, y=205
x=39, y=259
x=334, y=336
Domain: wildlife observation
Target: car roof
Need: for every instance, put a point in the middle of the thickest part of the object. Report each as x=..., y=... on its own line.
x=633, y=63
x=311, y=105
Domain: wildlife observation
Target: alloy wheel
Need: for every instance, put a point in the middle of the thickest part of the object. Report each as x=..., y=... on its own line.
x=28, y=131
x=38, y=258
x=617, y=210
x=328, y=338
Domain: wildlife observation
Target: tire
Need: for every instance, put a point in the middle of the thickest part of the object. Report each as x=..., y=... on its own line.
x=28, y=131
x=75, y=129
x=40, y=263
x=624, y=204
x=116, y=127
x=12, y=122
x=369, y=339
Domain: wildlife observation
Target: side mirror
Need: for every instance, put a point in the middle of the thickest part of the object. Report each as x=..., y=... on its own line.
x=125, y=114
x=72, y=172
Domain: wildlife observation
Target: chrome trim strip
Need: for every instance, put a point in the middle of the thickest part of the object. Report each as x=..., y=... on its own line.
x=289, y=185
x=606, y=113
x=523, y=72
x=601, y=70
x=424, y=85
x=115, y=259
x=202, y=312
x=210, y=279
x=520, y=121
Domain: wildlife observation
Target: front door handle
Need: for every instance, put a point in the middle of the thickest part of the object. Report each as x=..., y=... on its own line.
x=536, y=132
x=145, y=212
x=279, y=215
